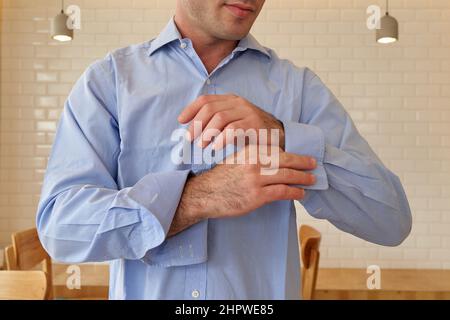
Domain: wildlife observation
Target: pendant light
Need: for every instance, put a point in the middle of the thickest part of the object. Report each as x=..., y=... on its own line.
x=60, y=31
x=388, y=32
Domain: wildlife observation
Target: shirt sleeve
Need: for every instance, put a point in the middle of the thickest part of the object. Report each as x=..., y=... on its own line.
x=354, y=190
x=82, y=215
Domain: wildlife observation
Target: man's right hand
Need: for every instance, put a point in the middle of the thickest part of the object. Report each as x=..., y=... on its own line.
x=233, y=190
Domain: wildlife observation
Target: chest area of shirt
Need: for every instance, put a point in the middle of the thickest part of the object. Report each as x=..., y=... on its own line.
x=148, y=110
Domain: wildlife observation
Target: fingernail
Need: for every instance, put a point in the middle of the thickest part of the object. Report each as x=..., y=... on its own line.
x=313, y=162
x=188, y=136
x=313, y=178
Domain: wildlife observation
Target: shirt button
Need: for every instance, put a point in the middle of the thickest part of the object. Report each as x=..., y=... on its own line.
x=183, y=45
x=195, y=294
x=208, y=82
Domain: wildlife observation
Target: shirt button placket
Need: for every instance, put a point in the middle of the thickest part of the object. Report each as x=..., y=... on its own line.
x=195, y=285
x=209, y=86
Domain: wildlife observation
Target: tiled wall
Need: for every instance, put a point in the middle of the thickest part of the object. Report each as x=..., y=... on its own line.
x=398, y=95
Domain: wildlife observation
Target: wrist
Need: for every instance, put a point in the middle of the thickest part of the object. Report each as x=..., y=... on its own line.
x=192, y=203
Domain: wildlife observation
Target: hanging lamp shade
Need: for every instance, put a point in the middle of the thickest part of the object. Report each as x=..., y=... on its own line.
x=60, y=31
x=388, y=32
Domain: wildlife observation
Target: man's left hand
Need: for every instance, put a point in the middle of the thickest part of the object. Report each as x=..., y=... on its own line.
x=223, y=112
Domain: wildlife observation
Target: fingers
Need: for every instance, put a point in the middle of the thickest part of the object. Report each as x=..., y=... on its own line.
x=216, y=125
x=280, y=192
x=192, y=109
x=289, y=177
x=204, y=116
x=230, y=134
x=294, y=161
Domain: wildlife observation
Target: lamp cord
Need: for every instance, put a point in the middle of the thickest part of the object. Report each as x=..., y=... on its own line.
x=62, y=6
x=387, y=6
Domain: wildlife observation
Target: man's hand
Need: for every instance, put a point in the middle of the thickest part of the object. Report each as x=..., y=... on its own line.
x=232, y=190
x=222, y=112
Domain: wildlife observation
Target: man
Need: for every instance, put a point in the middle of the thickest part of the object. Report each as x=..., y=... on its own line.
x=175, y=230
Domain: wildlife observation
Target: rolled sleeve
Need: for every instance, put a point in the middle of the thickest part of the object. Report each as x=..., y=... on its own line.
x=150, y=205
x=185, y=248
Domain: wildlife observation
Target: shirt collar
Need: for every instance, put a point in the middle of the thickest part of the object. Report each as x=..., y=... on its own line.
x=249, y=42
x=170, y=33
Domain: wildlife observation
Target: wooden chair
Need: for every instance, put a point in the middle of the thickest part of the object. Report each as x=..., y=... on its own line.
x=23, y=285
x=310, y=242
x=10, y=258
x=29, y=253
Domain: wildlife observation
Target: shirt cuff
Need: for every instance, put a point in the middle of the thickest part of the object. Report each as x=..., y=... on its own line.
x=160, y=194
x=185, y=248
x=307, y=140
x=151, y=205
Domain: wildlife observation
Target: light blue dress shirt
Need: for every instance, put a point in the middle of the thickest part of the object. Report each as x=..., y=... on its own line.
x=111, y=189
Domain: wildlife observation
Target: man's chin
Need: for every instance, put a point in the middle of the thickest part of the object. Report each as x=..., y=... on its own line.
x=233, y=38
x=234, y=35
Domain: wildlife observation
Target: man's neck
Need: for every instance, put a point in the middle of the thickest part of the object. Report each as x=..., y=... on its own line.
x=210, y=50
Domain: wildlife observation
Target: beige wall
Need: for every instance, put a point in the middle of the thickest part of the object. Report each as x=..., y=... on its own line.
x=398, y=95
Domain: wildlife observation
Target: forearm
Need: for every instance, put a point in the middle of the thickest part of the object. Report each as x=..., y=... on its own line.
x=192, y=206
x=233, y=190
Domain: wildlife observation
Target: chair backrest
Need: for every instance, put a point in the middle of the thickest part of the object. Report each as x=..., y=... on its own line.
x=23, y=285
x=310, y=243
x=10, y=258
x=29, y=252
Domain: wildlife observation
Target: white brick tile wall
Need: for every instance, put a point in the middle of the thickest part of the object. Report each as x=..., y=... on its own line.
x=398, y=96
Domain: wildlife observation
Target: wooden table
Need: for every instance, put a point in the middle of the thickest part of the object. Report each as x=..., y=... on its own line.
x=395, y=284
x=339, y=284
